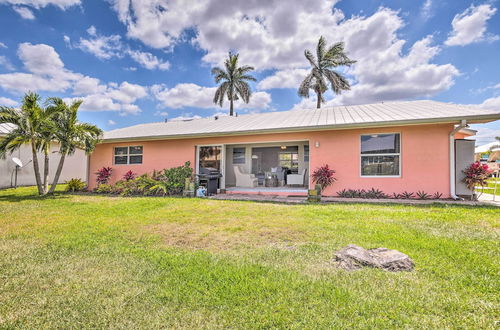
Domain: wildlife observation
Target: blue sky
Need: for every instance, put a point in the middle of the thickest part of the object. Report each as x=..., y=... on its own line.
x=136, y=61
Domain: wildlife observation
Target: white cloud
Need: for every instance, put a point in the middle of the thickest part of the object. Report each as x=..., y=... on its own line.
x=128, y=93
x=5, y=62
x=92, y=30
x=24, y=12
x=148, y=60
x=2, y=45
x=288, y=78
x=161, y=113
x=107, y=47
x=491, y=103
x=269, y=35
x=470, y=26
x=46, y=72
x=426, y=10
x=88, y=85
x=111, y=122
x=5, y=101
x=103, y=47
x=62, y=4
x=192, y=95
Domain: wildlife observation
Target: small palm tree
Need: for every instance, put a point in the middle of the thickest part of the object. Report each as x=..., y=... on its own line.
x=33, y=125
x=70, y=133
x=234, y=82
x=323, y=70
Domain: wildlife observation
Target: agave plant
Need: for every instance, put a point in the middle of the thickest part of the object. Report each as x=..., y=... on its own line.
x=422, y=195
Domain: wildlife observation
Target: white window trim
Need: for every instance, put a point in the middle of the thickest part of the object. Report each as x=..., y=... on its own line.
x=128, y=155
x=400, y=154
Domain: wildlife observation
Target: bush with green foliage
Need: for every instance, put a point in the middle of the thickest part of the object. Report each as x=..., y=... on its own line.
x=104, y=188
x=75, y=185
x=171, y=181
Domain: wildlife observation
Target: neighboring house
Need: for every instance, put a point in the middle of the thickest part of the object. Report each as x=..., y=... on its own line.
x=75, y=166
x=395, y=147
x=490, y=154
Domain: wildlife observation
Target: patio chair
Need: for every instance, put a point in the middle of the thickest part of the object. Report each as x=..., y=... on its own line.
x=280, y=173
x=296, y=179
x=244, y=179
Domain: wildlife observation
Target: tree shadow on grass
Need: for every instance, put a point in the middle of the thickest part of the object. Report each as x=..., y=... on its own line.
x=13, y=196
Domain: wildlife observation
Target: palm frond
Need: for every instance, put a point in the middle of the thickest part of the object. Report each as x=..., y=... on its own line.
x=337, y=81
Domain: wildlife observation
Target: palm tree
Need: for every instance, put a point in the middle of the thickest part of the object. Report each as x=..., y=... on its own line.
x=70, y=133
x=32, y=125
x=234, y=82
x=323, y=70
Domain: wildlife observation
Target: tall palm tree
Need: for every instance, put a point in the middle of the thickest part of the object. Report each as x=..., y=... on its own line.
x=70, y=133
x=234, y=82
x=322, y=70
x=32, y=125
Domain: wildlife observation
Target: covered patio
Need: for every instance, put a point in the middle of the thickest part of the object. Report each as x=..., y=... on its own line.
x=278, y=168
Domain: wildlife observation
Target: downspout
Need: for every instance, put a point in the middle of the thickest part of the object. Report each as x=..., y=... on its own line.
x=462, y=124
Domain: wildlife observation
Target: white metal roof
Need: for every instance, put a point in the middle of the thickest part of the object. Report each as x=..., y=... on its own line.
x=367, y=115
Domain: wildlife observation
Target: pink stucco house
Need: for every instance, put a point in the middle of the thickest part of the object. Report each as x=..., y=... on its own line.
x=396, y=146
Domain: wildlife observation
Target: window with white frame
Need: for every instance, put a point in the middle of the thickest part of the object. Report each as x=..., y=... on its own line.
x=380, y=154
x=128, y=155
x=239, y=156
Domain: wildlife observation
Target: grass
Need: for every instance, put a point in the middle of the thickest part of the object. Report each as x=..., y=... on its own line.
x=87, y=261
x=490, y=187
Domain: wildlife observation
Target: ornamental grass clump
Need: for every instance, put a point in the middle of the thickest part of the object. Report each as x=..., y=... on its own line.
x=476, y=175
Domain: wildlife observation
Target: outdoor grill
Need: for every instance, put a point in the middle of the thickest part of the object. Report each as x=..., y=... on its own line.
x=209, y=177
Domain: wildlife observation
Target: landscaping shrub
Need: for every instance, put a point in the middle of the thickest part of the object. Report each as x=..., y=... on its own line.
x=407, y=195
x=103, y=175
x=437, y=195
x=476, y=175
x=75, y=184
x=169, y=181
x=129, y=176
x=175, y=178
x=423, y=195
x=323, y=176
x=396, y=196
x=361, y=193
x=104, y=188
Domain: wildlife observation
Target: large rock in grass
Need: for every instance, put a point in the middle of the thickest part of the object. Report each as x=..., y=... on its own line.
x=354, y=257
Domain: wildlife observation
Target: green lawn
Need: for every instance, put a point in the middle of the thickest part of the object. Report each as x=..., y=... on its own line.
x=490, y=188
x=73, y=261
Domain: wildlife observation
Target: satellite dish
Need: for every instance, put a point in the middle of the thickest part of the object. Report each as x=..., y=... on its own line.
x=17, y=161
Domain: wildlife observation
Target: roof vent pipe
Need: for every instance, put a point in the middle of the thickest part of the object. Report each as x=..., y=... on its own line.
x=462, y=124
x=166, y=119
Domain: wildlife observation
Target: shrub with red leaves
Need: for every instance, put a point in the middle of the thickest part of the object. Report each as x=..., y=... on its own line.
x=323, y=176
x=103, y=175
x=476, y=175
x=129, y=176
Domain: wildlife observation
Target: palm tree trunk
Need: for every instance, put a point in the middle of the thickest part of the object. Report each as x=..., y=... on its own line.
x=231, y=106
x=58, y=173
x=318, y=102
x=46, y=171
x=36, y=168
